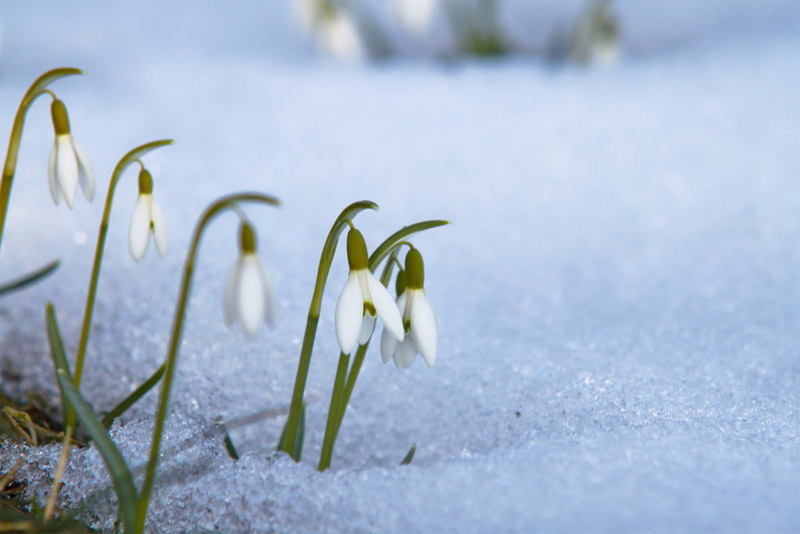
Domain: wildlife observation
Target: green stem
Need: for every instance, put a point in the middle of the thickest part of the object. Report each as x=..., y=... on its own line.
x=36, y=89
x=352, y=376
x=88, y=310
x=226, y=202
x=333, y=412
x=304, y=363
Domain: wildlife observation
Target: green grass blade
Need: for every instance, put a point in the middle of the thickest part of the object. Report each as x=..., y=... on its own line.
x=57, y=353
x=115, y=463
x=29, y=278
x=230, y=448
x=410, y=455
x=390, y=242
x=131, y=399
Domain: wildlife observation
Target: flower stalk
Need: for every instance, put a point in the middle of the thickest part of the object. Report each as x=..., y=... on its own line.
x=127, y=159
x=304, y=363
x=226, y=202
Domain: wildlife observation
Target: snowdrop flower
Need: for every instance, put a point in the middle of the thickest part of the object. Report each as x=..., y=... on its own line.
x=418, y=320
x=416, y=15
x=335, y=26
x=147, y=218
x=362, y=298
x=68, y=165
x=249, y=293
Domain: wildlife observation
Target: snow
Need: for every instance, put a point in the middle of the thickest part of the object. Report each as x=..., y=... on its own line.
x=618, y=296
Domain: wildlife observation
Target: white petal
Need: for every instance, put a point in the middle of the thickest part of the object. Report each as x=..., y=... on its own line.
x=85, y=174
x=250, y=297
x=385, y=306
x=349, y=310
x=388, y=345
x=269, y=296
x=405, y=353
x=159, y=227
x=367, y=325
x=139, y=230
x=51, y=175
x=66, y=168
x=229, y=297
x=423, y=326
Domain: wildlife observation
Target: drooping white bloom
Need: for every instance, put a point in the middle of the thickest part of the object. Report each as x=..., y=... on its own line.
x=362, y=299
x=68, y=165
x=249, y=293
x=421, y=333
x=416, y=15
x=147, y=218
x=335, y=26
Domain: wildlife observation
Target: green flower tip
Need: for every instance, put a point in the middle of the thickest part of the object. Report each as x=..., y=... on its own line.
x=356, y=250
x=60, y=118
x=400, y=282
x=415, y=270
x=247, y=238
x=145, y=182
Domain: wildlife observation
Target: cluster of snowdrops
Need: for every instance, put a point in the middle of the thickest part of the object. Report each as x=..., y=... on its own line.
x=409, y=325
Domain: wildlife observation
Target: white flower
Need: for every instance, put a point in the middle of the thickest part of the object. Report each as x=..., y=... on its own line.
x=68, y=164
x=249, y=293
x=421, y=334
x=417, y=15
x=147, y=218
x=362, y=298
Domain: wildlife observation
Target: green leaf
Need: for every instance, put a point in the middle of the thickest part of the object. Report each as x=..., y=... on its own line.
x=57, y=353
x=131, y=399
x=29, y=278
x=230, y=448
x=410, y=455
x=115, y=463
x=391, y=242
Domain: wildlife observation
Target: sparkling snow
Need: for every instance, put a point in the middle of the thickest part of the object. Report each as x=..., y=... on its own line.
x=618, y=296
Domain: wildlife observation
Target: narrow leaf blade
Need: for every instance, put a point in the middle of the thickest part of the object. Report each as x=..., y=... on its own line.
x=115, y=463
x=57, y=353
x=29, y=278
x=131, y=399
x=410, y=455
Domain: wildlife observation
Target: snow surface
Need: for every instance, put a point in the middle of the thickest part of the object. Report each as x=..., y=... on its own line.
x=618, y=296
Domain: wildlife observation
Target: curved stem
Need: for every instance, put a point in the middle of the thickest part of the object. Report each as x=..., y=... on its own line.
x=36, y=89
x=226, y=202
x=131, y=157
x=303, y=364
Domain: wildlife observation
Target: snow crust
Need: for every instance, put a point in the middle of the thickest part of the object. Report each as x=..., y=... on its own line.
x=618, y=297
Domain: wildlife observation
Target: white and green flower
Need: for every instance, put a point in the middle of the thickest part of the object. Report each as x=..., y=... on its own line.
x=146, y=219
x=68, y=165
x=362, y=299
x=249, y=293
x=419, y=322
